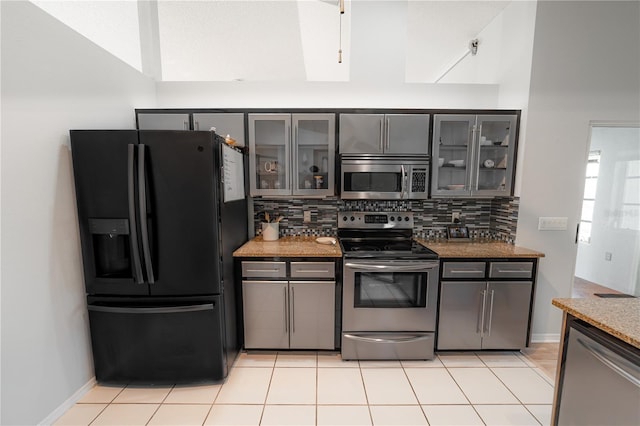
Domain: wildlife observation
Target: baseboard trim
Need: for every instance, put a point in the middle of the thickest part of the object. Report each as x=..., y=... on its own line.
x=545, y=337
x=70, y=402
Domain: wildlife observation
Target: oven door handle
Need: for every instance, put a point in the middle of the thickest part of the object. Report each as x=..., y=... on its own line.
x=416, y=338
x=419, y=267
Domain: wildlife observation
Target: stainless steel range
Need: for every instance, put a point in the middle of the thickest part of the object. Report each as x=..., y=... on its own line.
x=390, y=288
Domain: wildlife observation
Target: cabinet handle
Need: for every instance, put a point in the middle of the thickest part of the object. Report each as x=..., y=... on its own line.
x=381, y=133
x=465, y=271
x=263, y=270
x=286, y=320
x=186, y=125
x=481, y=313
x=490, y=313
x=474, y=162
x=196, y=125
x=387, y=134
x=292, y=311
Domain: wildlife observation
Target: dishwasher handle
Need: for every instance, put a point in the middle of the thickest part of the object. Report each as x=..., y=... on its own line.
x=599, y=353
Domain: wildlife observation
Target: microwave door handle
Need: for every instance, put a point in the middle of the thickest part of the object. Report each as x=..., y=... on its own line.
x=404, y=181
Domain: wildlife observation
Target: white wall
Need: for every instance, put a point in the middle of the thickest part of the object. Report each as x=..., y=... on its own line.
x=324, y=95
x=614, y=230
x=586, y=64
x=53, y=80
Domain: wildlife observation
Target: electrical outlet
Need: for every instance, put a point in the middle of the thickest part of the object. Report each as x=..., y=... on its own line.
x=306, y=216
x=607, y=256
x=455, y=217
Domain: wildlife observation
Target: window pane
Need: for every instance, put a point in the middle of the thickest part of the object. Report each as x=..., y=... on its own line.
x=587, y=210
x=630, y=218
x=633, y=168
x=593, y=169
x=631, y=191
x=590, y=185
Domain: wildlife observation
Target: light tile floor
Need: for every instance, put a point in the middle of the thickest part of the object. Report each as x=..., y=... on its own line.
x=285, y=388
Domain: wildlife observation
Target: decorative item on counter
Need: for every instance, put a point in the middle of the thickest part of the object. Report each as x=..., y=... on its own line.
x=457, y=233
x=326, y=240
x=271, y=229
x=230, y=141
x=319, y=180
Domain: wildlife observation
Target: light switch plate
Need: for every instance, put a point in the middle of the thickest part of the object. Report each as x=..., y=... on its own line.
x=552, y=223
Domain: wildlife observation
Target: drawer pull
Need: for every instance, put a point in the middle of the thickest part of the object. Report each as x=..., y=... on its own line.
x=512, y=270
x=465, y=271
x=263, y=270
x=312, y=271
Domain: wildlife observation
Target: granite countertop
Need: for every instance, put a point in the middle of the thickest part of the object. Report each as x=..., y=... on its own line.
x=478, y=248
x=288, y=247
x=618, y=317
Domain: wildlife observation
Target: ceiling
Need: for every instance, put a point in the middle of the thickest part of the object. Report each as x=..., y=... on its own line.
x=286, y=40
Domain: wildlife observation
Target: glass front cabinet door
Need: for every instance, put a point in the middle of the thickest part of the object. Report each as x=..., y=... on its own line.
x=292, y=154
x=473, y=155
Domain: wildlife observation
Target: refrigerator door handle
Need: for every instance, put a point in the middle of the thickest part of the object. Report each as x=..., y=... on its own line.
x=142, y=204
x=133, y=228
x=152, y=310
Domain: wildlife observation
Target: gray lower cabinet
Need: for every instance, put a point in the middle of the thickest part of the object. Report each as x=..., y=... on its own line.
x=265, y=314
x=482, y=313
x=295, y=313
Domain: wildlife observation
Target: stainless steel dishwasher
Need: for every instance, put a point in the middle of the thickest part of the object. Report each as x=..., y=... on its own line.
x=601, y=381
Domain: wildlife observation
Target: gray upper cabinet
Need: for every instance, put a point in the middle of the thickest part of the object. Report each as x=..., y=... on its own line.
x=292, y=154
x=163, y=121
x=473, y=155
x=231, y=124
x=405, y=134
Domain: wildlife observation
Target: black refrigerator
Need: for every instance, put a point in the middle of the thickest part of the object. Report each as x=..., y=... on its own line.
x=157, y=240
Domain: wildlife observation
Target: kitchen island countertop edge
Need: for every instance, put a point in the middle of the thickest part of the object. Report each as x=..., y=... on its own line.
x=619, y=317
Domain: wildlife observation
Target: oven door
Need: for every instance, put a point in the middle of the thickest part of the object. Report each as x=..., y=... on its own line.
x=390, y=295
x=366, y=180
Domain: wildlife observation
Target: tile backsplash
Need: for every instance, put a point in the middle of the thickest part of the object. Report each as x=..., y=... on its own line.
x=495, y=218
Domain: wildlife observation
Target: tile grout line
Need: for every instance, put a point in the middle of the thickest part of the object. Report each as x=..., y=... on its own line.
x=414, y=391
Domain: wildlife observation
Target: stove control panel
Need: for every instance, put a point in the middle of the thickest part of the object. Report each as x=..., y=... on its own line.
x=375, y=220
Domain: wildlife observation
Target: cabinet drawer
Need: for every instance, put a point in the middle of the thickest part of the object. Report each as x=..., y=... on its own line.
x=510, y=269
x=264, y=269
x=313, y=270
x=463, y=269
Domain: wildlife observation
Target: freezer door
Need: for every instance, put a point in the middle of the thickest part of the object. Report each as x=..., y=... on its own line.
x=180, y=210
x=104, y=171
x=157, y=342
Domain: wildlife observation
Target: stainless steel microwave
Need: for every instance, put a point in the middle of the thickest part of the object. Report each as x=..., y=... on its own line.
x=384, y=177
